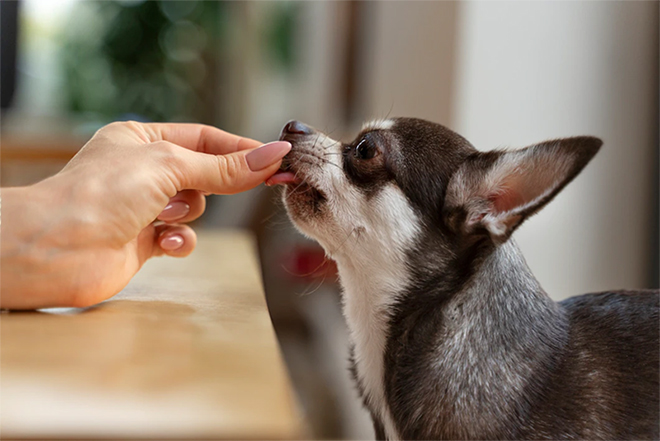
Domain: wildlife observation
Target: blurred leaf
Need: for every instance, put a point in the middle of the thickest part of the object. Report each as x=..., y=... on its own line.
x=150, y=59
x=280, y=35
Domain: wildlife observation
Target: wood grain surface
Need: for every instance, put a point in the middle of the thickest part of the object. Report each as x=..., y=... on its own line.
x=187, y=350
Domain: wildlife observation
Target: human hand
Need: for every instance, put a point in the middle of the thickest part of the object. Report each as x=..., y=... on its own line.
x=77, y=238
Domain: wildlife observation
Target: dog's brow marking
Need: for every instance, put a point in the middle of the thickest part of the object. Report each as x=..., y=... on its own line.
x=378, y=124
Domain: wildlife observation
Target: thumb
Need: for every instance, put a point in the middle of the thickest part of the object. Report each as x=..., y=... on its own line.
x=232, y=173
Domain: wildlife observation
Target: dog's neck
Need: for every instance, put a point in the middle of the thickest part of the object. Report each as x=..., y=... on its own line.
x=495, y=330
x=498, y=334
x=372, y=274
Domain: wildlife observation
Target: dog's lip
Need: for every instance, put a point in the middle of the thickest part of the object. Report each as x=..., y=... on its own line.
x=284, y=176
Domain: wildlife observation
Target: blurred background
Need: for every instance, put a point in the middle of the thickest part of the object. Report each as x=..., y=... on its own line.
x=500, y=73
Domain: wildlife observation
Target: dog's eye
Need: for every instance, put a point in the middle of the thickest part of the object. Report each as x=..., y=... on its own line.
x=365, y=149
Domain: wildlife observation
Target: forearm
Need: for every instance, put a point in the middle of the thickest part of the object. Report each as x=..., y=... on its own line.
x=31, y=264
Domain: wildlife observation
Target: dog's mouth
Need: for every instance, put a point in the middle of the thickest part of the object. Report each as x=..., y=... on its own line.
x=294, y=181
x=286, y=175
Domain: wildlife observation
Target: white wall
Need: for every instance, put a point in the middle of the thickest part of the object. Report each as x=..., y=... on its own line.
x=408, y=58
x=529, y=71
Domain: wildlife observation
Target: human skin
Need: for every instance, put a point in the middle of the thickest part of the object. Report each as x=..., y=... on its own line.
x=77, y=238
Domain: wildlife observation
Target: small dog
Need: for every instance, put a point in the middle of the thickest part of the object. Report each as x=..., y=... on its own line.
x=452, y=336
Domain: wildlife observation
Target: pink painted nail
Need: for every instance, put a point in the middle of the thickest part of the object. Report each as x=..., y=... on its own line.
x=267, y=154
x=173, y=211
x=171, y=243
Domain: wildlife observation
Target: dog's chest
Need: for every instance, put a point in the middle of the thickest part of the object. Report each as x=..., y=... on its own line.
x=366, y=304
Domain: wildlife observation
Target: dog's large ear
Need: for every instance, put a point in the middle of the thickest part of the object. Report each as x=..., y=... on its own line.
x=494, y=192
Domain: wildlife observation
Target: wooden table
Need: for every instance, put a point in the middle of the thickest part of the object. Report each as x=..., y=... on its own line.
x=34, y=147
x=187, y=350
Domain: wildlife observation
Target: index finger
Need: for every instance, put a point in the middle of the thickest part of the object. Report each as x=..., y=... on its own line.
x=199, y=137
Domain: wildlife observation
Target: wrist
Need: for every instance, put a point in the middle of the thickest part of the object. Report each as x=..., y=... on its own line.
x=27, y=254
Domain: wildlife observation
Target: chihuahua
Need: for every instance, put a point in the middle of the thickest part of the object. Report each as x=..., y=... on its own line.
x=452, y=337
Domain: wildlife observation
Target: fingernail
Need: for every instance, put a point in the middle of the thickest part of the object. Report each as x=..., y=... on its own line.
x=171, y=243
x=173, y=211
x=267, y=154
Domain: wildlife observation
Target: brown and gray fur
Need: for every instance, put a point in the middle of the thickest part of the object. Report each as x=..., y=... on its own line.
x=452, y=336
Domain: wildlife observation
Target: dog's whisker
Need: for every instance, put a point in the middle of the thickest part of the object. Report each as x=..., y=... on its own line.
x=319, y=159
x=307, y=293
x=343, y=242
x=389, y=112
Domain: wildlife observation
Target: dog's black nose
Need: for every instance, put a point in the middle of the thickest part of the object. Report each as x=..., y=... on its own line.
x=297, y=128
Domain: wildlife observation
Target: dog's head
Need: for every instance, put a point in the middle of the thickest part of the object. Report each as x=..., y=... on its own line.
x=403, y=180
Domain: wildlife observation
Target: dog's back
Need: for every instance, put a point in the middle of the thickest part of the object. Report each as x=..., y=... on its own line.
x=606, y=384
